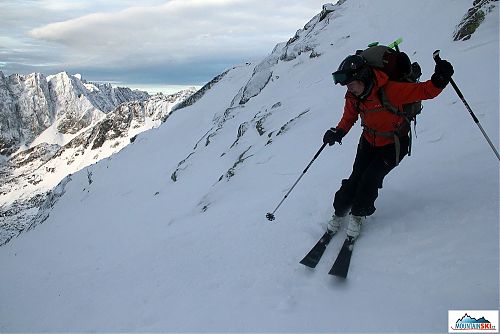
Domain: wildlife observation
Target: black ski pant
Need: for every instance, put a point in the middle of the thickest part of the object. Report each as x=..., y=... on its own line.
x=359, y=192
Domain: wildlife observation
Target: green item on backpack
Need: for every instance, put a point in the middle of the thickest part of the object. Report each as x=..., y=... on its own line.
x=394, y=45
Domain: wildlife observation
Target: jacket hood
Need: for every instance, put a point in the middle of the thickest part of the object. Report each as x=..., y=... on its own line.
x=381, y=78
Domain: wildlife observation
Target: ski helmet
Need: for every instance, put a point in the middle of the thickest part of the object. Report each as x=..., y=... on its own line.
x=354, y=67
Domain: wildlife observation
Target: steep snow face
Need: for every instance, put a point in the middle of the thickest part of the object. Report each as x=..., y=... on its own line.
x=29, y=176
x=79, y=104
x=25, y=109
x=74, y=109
x=39, y=116
x=170, y=234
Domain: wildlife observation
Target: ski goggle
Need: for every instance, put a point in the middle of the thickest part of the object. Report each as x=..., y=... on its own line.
x=342, y=77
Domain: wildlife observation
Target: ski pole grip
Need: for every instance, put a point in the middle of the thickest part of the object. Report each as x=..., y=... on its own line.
x=436, y=56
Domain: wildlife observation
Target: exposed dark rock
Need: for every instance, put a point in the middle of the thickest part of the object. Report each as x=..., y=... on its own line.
x=473, y=19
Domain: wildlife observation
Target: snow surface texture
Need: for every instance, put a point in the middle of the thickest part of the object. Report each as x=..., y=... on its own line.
x=134, y=250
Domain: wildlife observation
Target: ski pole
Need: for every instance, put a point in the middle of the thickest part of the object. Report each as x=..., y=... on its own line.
x=436, y=57
x=269, y=215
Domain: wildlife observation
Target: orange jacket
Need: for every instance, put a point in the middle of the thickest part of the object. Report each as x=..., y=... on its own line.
x=398, y=93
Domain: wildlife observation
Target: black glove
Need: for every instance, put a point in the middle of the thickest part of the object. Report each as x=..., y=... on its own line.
x=442, y=73
x=333, y=135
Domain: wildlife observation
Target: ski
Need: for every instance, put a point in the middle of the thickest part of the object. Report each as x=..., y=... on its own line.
x=341, y=265
x=312, y=258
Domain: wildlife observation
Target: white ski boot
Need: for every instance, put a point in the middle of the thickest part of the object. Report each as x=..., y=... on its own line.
x=334, y=224
x=354, y=227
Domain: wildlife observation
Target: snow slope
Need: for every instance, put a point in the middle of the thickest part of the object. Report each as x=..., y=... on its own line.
x=27, y=178
x=135, y=250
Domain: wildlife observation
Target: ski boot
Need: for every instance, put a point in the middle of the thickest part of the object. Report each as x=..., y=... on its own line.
x=354, y=227
x=334, y=224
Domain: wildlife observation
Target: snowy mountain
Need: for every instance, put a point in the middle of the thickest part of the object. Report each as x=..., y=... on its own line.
x=170, y=233
x=26, y=109
x=32, y=103
x=78, y=124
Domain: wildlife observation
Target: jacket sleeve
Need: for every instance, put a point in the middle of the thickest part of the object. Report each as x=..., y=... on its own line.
x=350, y=115
x=405, y=92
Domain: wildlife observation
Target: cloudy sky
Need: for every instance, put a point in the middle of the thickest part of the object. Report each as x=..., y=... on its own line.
x=157, y=42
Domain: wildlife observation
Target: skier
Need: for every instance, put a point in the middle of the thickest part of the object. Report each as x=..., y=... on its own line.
x=385, y=139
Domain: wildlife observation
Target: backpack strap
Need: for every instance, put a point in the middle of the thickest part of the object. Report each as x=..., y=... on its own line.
x=386, y=103
x=386, y=106
x=392, y=109
x=396, y=134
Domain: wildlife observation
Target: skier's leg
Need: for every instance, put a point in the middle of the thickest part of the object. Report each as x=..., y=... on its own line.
x=367, y=191
x=344, y=196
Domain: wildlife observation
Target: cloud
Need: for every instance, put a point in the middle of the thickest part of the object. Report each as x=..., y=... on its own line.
x=158, y=41
x=177, y=32
x=63, y=5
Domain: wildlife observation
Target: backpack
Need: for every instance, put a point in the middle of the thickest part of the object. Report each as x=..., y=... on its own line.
x=398, y=67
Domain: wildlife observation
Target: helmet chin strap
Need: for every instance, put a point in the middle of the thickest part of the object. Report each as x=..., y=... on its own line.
x=367, y=91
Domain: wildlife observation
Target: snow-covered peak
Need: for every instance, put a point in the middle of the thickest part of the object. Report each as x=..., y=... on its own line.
x=33, y=172
x=25, y=110
x=31, y=104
